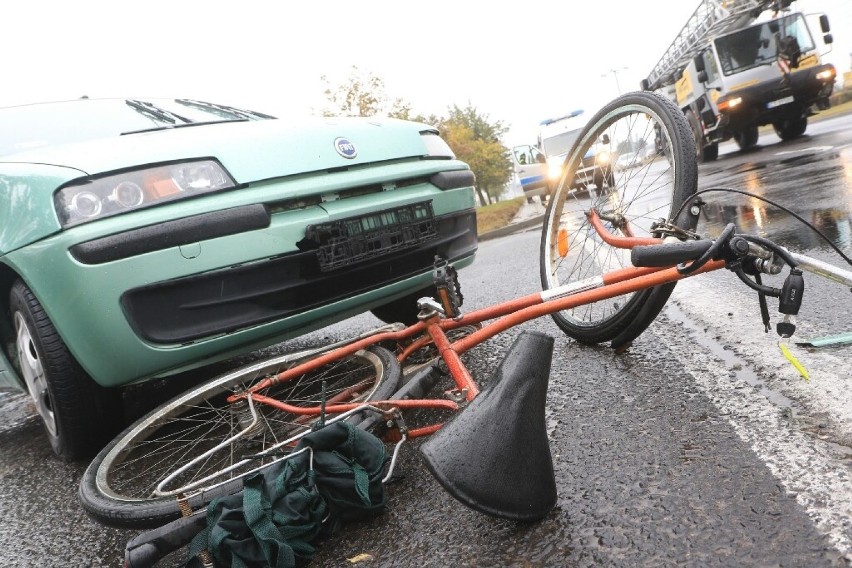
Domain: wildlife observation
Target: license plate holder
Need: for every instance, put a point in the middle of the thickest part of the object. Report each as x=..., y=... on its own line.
x=780, y=102
x=352, y=240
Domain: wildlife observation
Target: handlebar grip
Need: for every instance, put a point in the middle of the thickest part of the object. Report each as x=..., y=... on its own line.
x=668, y=254
x=148, y=548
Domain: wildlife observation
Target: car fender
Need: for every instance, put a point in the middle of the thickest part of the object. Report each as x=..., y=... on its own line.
x=27, y=213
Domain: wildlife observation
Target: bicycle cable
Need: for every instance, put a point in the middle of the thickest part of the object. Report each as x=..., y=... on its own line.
x=691, y=199
x=711, y=252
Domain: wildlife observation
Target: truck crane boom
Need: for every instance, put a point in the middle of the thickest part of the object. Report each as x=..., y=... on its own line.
x=710, y=18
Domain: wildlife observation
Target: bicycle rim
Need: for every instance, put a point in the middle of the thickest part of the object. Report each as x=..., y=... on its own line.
x=127, y=472
x=651, y=186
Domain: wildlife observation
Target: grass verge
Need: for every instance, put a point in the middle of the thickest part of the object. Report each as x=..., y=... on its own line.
x=497, y=215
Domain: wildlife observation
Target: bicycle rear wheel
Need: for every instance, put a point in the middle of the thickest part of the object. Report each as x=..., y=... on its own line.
x=118, y=487
x=652, y=185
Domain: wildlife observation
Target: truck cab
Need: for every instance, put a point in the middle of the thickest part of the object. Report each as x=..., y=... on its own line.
x=767, y=73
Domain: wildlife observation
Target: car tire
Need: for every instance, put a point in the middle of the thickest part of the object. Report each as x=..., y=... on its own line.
x=79, y=416
x=403, y=309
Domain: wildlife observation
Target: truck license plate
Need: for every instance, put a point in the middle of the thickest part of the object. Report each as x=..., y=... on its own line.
x=779, y=102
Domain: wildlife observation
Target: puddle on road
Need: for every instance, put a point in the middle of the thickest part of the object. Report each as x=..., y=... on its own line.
x=813, y=181
x=731, y=360
x=817, y=425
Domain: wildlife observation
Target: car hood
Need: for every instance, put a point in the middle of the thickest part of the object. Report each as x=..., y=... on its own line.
x=250, y=151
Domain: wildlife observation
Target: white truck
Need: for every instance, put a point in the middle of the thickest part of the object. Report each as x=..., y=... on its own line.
x=741, y=64
x=539, y=167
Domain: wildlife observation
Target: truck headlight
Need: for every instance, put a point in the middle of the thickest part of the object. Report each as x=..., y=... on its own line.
x=97, y=198
x=826, y=75
x=603, y=158
x=728, y=104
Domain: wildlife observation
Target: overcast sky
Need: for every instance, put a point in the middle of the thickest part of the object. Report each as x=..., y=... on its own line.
x=516, y=62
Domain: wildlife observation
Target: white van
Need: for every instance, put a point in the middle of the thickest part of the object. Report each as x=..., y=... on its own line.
x=539, y=167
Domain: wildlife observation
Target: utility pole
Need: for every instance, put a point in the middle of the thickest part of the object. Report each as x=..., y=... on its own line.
x=615, y=73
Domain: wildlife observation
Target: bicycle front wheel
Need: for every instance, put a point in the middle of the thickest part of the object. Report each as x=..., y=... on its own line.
x=119, y=488
x=634, y=163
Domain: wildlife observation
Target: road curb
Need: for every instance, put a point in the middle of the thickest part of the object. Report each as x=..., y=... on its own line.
x=512, y=228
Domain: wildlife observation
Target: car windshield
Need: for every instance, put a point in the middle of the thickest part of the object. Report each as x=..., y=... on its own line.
x=757, y=45
x=28, y=127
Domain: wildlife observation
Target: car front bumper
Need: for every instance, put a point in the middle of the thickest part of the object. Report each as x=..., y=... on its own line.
x=139, y=311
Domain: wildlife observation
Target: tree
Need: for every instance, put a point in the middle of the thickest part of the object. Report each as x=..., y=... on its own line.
x=477, y=142
x=362, y=94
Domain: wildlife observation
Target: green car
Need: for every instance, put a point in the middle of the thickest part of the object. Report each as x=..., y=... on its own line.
x=140, y=238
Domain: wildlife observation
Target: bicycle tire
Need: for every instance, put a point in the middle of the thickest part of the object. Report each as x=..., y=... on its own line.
x=571, y=250
x=117, y=489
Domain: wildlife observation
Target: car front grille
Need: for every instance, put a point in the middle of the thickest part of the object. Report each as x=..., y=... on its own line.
x=193, y=308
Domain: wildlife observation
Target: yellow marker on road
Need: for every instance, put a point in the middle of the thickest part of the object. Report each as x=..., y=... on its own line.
x=792, y=359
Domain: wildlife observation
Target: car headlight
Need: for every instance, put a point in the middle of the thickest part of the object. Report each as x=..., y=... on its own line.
x=603, y=158
x=554, y=168
x=436, y=147
x=128, y=191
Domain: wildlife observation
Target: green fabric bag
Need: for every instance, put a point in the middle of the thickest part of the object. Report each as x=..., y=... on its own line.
x=349, y=463
x=274, y=519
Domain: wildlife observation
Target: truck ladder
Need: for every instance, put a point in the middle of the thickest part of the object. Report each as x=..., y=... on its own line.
x=712, y=17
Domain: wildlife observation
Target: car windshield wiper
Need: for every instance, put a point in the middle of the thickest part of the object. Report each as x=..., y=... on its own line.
x=153, y=111
x=184, y=125
x=247, y=114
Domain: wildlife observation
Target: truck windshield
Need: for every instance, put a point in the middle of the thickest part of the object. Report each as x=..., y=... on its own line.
x=560, y=144
x=757, y=45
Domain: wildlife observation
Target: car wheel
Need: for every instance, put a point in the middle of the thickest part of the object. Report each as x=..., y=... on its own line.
x=79, y=416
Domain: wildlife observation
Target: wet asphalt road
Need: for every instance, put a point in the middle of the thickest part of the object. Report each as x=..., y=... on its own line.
x=692, y=448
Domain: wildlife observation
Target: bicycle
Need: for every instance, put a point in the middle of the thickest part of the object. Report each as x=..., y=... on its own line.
x=610, y=257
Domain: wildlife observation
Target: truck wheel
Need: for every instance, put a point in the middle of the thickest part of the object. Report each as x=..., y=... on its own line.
x=747, y=137
x=703, y=152
x=790, y=127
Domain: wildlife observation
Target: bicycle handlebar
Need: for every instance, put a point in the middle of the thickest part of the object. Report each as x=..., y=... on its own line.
x=668, y=254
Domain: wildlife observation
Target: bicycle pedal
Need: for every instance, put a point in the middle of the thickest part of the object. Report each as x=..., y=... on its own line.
x=456, y=395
